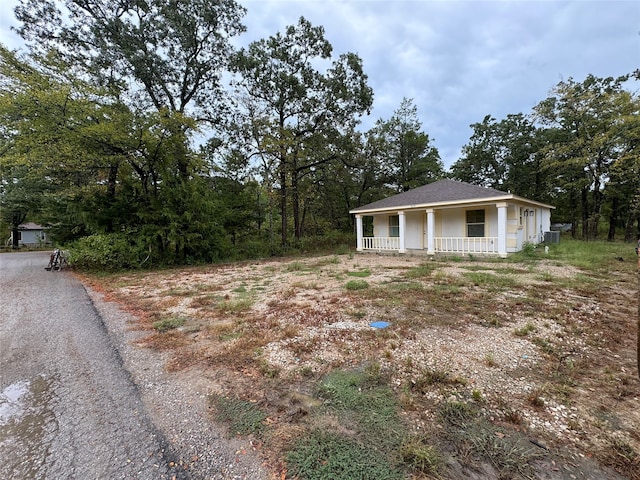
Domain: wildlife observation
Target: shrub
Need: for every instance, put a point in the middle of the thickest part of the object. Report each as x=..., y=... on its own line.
x=110, y=252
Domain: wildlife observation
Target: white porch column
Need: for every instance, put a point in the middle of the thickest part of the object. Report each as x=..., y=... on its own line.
x=358, y=233
x=431, y=247
x=502, y=229
x=402, y=220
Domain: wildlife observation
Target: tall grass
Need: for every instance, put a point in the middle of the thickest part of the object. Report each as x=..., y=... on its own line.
x=596, y=255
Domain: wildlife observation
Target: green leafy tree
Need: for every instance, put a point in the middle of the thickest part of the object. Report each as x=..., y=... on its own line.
x=588, y=119
x=406, y=152
x=292, y=112
x=150, y=75
x=504, y=155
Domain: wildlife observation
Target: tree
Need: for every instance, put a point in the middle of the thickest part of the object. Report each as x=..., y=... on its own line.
x=292, y=112
x=587, y=117
x=151, y=71
x=20, y=198
x=408, y=156
x=503, y=155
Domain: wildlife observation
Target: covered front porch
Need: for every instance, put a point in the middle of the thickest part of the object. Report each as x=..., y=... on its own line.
x=480, y=231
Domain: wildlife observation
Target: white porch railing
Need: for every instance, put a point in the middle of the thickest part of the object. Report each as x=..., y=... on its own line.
x=380, y=243
x=466, y=244
x=441, y=244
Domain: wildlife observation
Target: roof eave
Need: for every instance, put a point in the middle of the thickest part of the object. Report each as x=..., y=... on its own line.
x=456, y=203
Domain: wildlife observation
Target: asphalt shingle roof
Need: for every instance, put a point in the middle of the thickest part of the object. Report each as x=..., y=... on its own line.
x=437, y=192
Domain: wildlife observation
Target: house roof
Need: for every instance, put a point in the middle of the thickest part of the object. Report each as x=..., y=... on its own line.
x=439, y=193
x=30, y=226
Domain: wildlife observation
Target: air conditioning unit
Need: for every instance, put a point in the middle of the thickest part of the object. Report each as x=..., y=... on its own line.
x=552, y=237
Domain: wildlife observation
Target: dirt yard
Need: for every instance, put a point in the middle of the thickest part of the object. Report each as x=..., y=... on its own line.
x=541, y=349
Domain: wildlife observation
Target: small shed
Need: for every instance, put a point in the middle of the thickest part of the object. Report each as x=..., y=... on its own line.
x=448, y=216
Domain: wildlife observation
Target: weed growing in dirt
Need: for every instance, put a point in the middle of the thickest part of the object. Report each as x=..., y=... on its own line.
x=360, y=273
x=511, y=454
x=363, y=405
x=490, y=360
x=357, y=285
x=619, y=454
x=429, y=377
x=491, y=281
x=327, y=455
x=422, y=271
x=525, y=330
x=242, y=417
x=419, y=456
x=170, y=323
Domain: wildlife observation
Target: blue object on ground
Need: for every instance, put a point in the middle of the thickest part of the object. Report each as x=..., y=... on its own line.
x=379, y=324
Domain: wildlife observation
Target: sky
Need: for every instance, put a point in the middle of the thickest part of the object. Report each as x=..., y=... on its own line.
x=457, y=60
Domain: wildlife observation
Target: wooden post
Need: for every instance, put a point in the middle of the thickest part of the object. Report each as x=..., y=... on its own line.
x=638, y=326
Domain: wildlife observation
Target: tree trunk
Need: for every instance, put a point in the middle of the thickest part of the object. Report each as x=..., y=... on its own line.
x=613, y=218
x=584, y=197
x=573, y=208
x=295, y=197
x=283, y=201
x=14, y=234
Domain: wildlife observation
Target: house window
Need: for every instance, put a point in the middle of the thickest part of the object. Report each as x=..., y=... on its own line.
x=475, y=223
x=394, y=226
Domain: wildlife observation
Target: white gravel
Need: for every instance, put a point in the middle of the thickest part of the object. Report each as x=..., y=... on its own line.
x=177, y=405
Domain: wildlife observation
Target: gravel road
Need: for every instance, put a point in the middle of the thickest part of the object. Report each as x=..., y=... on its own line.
x=78, y=400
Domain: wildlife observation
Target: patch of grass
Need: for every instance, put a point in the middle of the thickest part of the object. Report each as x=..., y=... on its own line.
x=422, y=271
x=491, y=280
x=420, y=456
x=357, y=285
x=295, y=267
x=360, y=273
x=511, y=454
x=477, y=396
x=334, y=260
x=328, y=455
x=456, y=413
x=595, y=256
x=242, y=417
x=490, y=360
x=525, y=330
x=429, y=377
x=179, y=292
x=363, y=401
x=235, y=305
x=170, y=323
x=619, y=454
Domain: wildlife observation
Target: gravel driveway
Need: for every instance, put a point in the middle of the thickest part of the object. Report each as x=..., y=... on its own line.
x=79, y=400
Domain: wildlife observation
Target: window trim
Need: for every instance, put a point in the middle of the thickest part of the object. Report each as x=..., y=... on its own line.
x=475, y=223
x=394, y=228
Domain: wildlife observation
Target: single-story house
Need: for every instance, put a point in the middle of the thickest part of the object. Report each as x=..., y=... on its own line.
x=453, y=217
x=30, y=235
